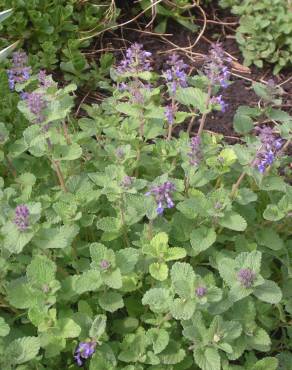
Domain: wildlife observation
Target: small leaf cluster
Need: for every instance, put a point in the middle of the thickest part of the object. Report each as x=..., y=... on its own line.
x=265, y=31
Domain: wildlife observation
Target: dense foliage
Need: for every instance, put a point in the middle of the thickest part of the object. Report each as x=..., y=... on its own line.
x=265, y=31
x=52, y=32
x=125, y=245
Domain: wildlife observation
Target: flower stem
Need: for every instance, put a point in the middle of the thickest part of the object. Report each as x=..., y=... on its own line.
x=204, y=116
x=58, y=170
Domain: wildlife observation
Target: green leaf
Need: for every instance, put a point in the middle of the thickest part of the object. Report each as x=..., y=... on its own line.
x=259, y=340
x=172, y=354
x=109, y=224
x=268, y=363
x=19, y=294
x=88, y=281
x=159, y=339
x=68, y=328
x=194, y=97
x=159, y=271
x=67, y=152
x=268, y=292
x=126, y=259
x=175, y=253
x=4, y=328
x=207, y=358
x=269, y=238
x=56, y=238
x=98, y=327
x=202, y=238
x=110, y=301
x=41, y=271
x=182, y=309
x=273, y=213
x=14, y=239
x=233, y=221
x=113, y=278
x=129, y=109
x=158, y=299
x=22, y=350
x=242, y=123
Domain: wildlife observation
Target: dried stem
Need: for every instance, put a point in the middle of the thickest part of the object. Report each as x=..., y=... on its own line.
x=66, y=133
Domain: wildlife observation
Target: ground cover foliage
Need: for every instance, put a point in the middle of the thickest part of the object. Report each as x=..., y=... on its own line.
x=126, y=246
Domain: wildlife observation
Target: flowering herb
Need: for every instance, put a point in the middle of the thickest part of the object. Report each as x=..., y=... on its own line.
x=36, y=103
x=195, y=153
x=169, y=113
x=162, y=194
x=84, y=351
x=219, y=100
x=104, y=264
x=217, y=66
x=20, y=72
x=269, y=148
x=176, y=74
x=246, y=277
x=136, y=60
x=21, y=219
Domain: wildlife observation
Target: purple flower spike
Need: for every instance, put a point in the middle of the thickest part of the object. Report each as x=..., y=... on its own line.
x=219, y=100
x=136, y=60
x=21, y=219
x=44, y=79
x=176, y=74
x=217, y=66
x=84, y=351
x=195, y=152
x=170, y=114
x=20, y=72
x=162, y=196
x=36, y=104
x=104, y=264
x=246, y=277
x=201, y=291
x=270, y=147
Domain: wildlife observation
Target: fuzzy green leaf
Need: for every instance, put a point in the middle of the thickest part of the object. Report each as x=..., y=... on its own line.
x=202, y=238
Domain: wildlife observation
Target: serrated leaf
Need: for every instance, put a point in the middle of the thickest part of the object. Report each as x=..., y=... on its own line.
x=68, y=328
x=268, y=292
x=259, y=340
x=22, y=350
x=88, y=281
x=41, y=271
x=56, y=238
x=268, y=363
x=207, y=358
x=273, y=213
x=233, y=221
x=202, y=238
x=242, y=123
x=158, y=271
x=110, y=301
x=14, y=239
x=109, y=224
x=158, y=299
x=67, y=152
x=113, y=278
x=126, y=259
x=159, y=339
x=182, y=309
x=172, y=354
x=194, y=97
x=175, y=253
x=4, y=328
x=269, y=238
x=98, y=326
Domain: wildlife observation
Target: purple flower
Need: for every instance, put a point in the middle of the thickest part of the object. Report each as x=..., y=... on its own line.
x=84, y=351
x=20, y=72
x=219, y=100
x=217, y=66
x=176, y=74
x=36, y=104
x=270, y=146
x=201, y=291
x=21, y=218
x=104, y=264
x=195, y=152
x=169, y=113
x=44, y=80
x=162, y=194
x=127, y=181
x=136, y=60
x=246, y=277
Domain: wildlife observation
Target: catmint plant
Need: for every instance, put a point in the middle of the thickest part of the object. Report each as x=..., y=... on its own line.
x=176, y=75
x=136, y=60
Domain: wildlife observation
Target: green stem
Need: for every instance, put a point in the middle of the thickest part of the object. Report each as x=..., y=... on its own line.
x=204, y=116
